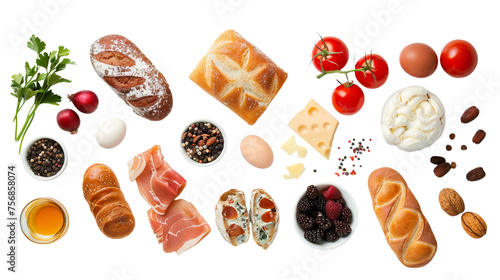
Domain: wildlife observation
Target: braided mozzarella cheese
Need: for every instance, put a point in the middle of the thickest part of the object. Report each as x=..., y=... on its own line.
x=413, y=118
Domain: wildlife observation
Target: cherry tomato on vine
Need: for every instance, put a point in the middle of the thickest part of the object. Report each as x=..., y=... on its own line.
x=378, y=73
x=348, y=98
x=458, y=58
x=331, y=52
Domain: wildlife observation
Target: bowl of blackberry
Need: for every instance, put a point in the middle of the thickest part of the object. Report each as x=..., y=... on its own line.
x=326, y=216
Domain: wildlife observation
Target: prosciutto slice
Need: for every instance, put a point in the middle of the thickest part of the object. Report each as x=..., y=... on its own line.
x=180, y=227
x=158, y=183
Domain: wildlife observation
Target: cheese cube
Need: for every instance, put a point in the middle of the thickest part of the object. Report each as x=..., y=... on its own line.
x=301, y=152
x=315, y=125
x=295, y=171
x=290, y=146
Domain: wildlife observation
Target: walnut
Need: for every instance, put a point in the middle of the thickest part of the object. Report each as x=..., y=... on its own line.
x=474, y=225
x=451, y=202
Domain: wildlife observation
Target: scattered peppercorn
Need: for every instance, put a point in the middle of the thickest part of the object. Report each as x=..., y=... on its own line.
x=356, y=149
x=452, y=136
x=448, y=148
x=463, y=147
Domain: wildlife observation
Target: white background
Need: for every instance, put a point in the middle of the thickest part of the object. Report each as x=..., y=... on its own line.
x=175, y=35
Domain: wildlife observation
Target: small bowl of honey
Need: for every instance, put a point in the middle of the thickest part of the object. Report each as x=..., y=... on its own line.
x=44, y=220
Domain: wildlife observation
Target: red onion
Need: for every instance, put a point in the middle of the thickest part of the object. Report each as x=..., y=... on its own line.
x=85, y=101
x=68, y=120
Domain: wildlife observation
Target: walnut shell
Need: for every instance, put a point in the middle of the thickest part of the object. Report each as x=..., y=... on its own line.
x=451, y=202
x=474, y=225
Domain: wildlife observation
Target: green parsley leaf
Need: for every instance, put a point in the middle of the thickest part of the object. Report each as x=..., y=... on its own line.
x=18, y=78
x=29, y=71
x=63, y=51
x=51, y=98
x=55, y=79
x=36, y=44
x=41, y=77
x=43, y=60
x=53, y=54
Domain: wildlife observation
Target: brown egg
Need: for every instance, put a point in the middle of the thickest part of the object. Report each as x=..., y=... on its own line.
x=256, y=151
x=419, y=60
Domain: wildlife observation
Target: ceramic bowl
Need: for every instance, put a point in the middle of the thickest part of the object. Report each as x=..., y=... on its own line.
x=184, y=154
x=28, y=168
x=349, y=202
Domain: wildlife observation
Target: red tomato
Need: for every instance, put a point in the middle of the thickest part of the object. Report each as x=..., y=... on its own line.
x=348, y=99
x=458, y=58
x=377, y=75
x=331, y=52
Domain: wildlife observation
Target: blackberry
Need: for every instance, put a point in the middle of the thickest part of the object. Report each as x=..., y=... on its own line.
x=341, y=201
x=330, y=235
x=314, y=236
x=323, y=222
x=346, y=215
x=305, y=221
x=305, y=205
x=320, y=203
x=341, y=228
x=312, y=192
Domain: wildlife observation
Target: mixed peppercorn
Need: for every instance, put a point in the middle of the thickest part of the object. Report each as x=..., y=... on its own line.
x=45, y=157
x=203, y=142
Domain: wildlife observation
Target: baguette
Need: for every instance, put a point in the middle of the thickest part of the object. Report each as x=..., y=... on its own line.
x=231, y=217
x=239, y=75
x=406, y=229
x=265, y=218
x=122, y=65
x=111, y=211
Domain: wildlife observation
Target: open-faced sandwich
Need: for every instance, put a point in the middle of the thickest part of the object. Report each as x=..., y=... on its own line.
x=264, y=216
x=231, y=216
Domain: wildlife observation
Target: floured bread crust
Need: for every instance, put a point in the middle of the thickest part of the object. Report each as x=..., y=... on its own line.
x=122, y=65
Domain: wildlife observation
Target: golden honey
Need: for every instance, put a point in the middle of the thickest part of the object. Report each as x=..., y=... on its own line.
x=44, y=220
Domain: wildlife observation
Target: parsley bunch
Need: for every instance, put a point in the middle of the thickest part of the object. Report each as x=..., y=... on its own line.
x=37, y=81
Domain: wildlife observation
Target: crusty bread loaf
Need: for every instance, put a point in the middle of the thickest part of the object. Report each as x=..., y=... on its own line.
x=239, y=75
x=406, y=229
x=122, y=65
x=231, y=216
x=106, y=201
x=265, y=218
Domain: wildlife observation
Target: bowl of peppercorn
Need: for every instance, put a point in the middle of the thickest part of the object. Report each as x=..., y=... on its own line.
x=326, y=216
x=203, y=143
x=44, y=158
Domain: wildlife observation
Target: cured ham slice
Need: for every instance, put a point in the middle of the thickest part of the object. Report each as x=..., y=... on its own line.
x=158, y=183
x=180, y=227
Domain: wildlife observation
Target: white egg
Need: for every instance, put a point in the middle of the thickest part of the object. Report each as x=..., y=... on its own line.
x=111, y=133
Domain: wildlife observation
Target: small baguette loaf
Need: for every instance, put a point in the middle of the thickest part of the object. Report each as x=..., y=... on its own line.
x=239, y=75
x=122, y=65
x=265, y=218
x=231, y=217
x=106, y=201
x=406, y=229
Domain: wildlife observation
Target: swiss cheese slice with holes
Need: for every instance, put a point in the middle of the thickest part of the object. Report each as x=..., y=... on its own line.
x=315, y=125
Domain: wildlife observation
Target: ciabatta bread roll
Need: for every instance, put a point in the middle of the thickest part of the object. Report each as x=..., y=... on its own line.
x=239, y=75
x=231, y=217
x=106, y=201
x=122, y=65
x=406, y=229
x=265, y=218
